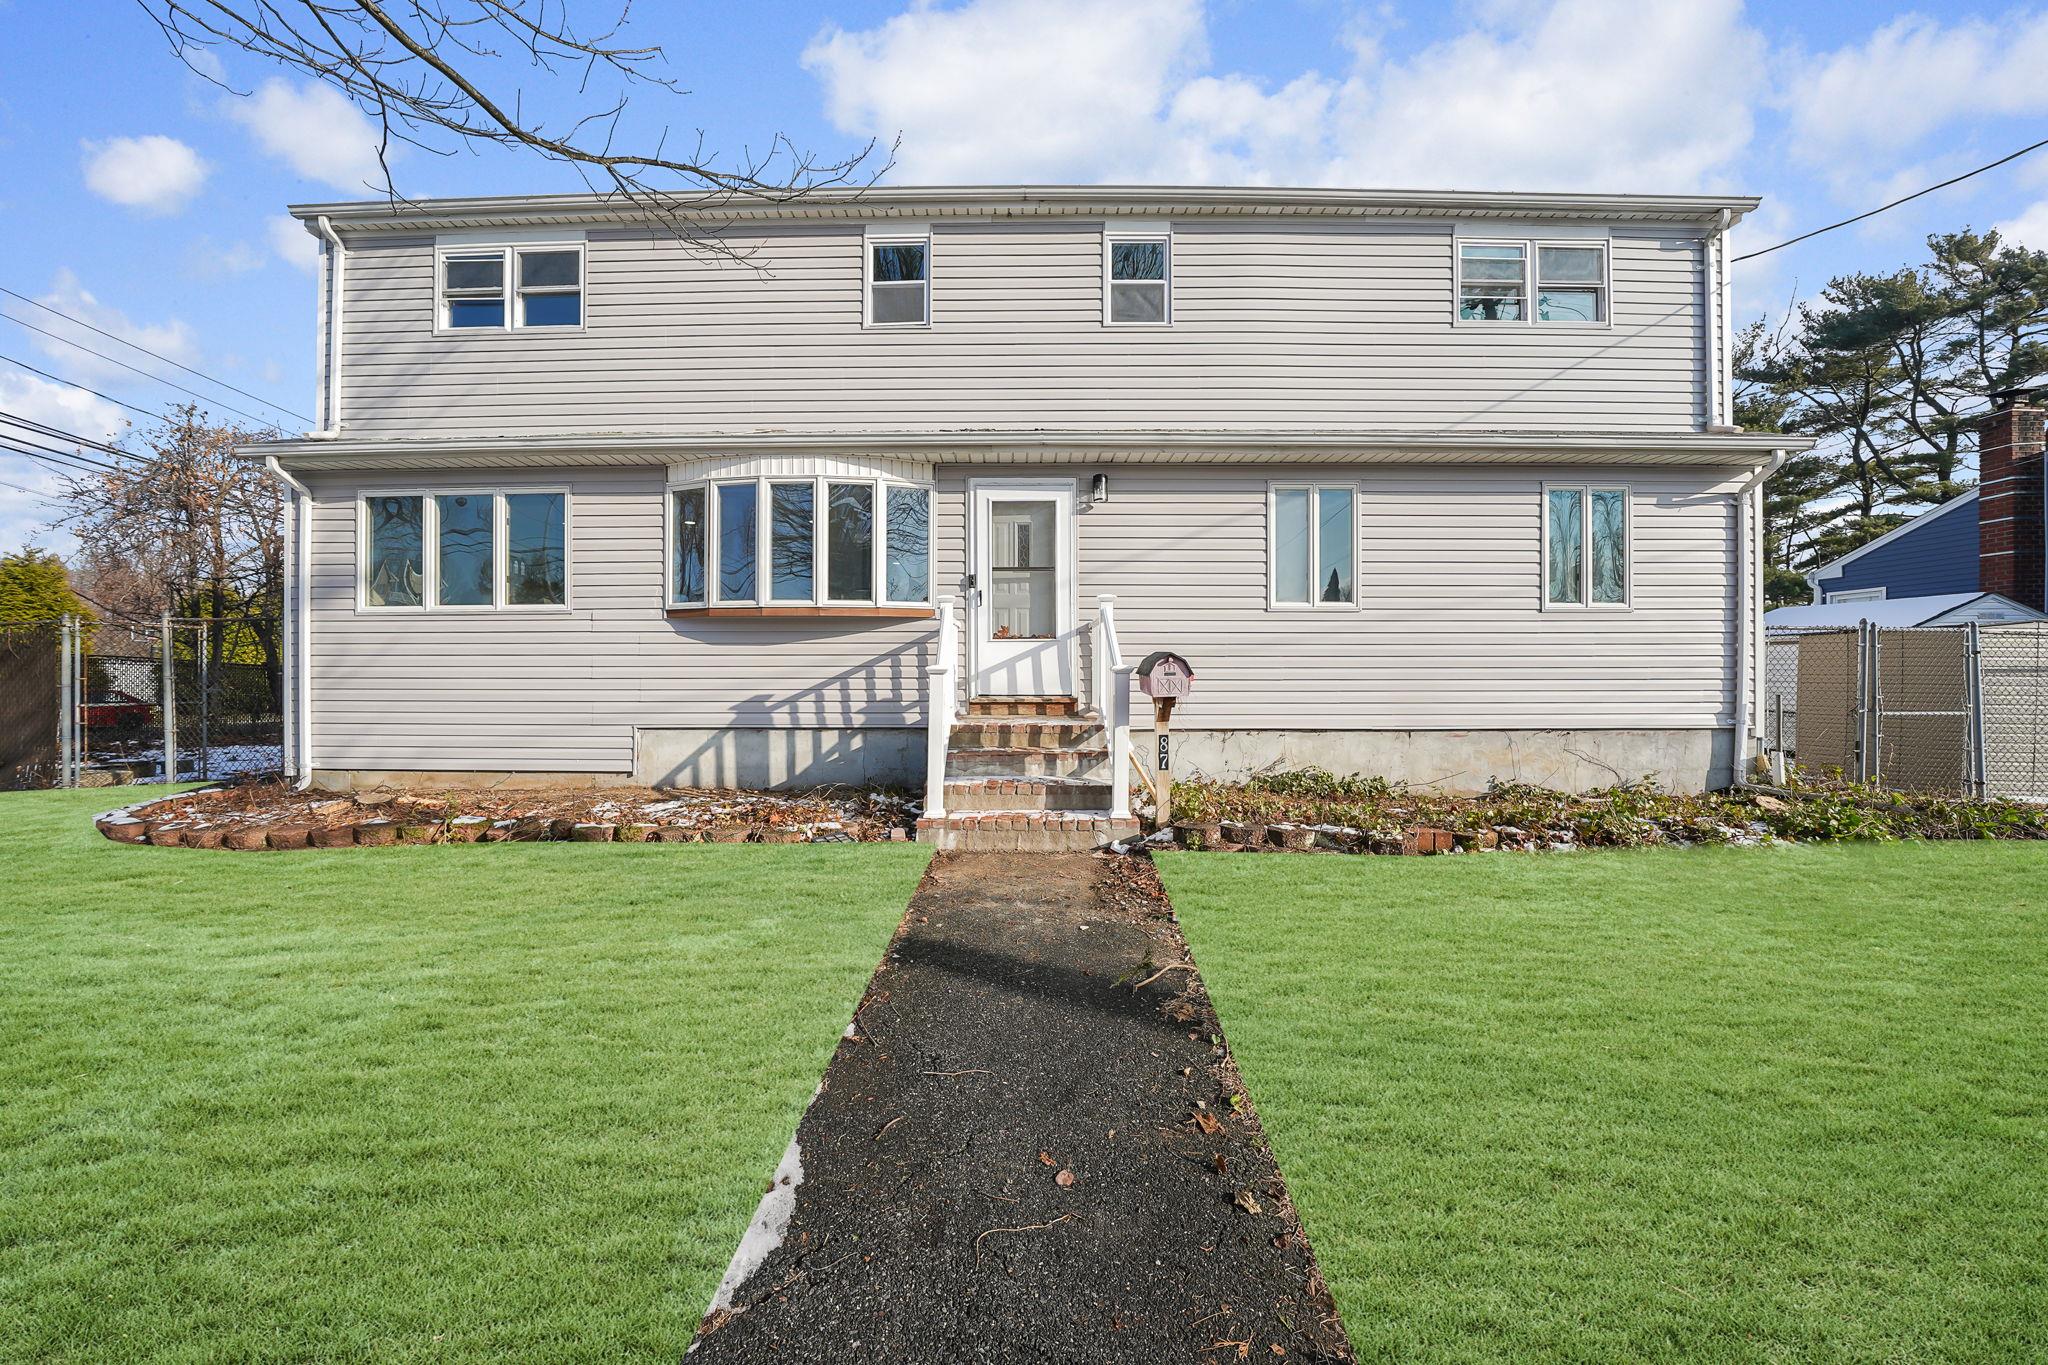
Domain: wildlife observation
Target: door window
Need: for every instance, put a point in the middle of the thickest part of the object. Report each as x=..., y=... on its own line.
x=1023, y=571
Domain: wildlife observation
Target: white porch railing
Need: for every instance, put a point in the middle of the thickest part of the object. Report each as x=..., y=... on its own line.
x=1110, y=679
x=942, y=700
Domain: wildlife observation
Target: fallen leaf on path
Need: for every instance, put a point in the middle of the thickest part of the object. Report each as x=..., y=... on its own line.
x=1045, y=1159
x=1207, y=1121
x=1222, y=1166
x=1246, y=1202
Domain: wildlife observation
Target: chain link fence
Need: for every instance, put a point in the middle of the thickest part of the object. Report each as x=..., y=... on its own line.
x=1960, y=709
x=73, y=716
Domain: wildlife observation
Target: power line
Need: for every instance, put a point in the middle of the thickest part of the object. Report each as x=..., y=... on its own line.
x=73, y=384
x=56, y=459
x=1952, y=180
x=42, y=444
x=220, y=383
x=157, y=378
x=45, y=429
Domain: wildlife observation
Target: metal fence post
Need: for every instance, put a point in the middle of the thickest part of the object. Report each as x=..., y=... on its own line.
x=170, y=703
x=205, y=703
x=1973, y=689
x=64, y=707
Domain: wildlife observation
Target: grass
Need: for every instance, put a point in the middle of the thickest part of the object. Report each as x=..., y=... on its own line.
x=1724, y=1104
x=445, y=1103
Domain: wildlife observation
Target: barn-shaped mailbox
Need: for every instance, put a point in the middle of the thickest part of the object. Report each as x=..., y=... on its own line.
x=1165, y=674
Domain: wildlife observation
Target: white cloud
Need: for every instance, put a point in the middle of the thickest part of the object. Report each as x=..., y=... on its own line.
x=1597, y=94
x=315, y=130
x=207, y=259
x=59, y=406
x=2029, y=229
x=66, y=294
x=292, y=243
x=1013, y=89
x=155, y=174
x=1910, y=79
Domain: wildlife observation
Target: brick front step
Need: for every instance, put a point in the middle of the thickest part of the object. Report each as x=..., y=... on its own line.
x=1024, y=734
x=1026, y=793
x=965, y=764
x=1004, y=708
x=1025, y=831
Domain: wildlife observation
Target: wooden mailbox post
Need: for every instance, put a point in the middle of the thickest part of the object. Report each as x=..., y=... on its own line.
x=1164, y=677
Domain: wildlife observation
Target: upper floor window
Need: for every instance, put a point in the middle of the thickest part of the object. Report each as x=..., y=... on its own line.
x=802, y=542
x=1585, y=546
x=1139, y=270
x=1313, y=544
x=1569, y=285
x=899, y=286
x=466, y=549
x=502, y=287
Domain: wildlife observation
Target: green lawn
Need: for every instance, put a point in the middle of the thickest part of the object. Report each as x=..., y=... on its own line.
x=453, y=1103
x=1722, y=1104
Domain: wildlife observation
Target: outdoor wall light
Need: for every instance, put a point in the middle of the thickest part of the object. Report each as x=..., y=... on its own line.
x=1098, y=489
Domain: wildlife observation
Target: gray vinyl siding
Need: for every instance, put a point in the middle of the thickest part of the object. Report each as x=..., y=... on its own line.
x=1278, y=326
x=1451, y=635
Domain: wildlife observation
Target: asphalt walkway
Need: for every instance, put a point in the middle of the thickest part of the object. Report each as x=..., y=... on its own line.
x=1016, y=1156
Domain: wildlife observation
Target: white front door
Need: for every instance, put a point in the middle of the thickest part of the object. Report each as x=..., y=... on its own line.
x=1023, y=607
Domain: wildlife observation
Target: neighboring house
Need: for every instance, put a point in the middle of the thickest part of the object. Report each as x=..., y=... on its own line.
x=1988, y=540
x=1433, y=485
x=1898, y=613
x=1933, y=554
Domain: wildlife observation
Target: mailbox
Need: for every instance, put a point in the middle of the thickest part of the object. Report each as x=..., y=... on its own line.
x=1165, y=675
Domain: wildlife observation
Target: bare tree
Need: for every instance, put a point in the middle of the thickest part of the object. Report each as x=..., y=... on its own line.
x=427, y=72
x=187, y=527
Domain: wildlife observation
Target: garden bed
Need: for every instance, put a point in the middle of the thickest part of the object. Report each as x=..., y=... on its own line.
x=260, y=815
x=1311, y=810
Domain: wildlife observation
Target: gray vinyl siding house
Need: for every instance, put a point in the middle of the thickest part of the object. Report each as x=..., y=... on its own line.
x=1299, y=349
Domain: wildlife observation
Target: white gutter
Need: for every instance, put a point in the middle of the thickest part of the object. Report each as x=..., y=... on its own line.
x=301, y=617
x=337, y=265
x=1749, y=599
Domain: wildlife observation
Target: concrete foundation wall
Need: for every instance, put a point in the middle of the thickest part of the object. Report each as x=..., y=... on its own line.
x=894, y=756
x=762, y=759
x=1463, y=760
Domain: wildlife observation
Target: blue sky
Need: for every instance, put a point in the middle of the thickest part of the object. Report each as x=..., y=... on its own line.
x=141, y=198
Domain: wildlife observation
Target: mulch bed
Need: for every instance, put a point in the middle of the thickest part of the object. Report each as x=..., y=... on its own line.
x=258, y=815
x=1032, y=1145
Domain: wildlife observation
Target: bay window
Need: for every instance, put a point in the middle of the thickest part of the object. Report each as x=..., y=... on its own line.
x=475, y=550
x=829, y=542
x=1585, y=546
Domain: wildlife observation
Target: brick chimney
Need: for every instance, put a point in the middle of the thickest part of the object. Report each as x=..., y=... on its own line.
x=2010, y=509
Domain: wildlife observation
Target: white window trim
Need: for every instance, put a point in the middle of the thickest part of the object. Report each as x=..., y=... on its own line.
x=509, y=293
x=1532, y=281
x=1113, y=233
x=1857, y=595
x=430, y=551
x=763, y=570
x=1585, y=489
x=895, y=234
x=1314, y=486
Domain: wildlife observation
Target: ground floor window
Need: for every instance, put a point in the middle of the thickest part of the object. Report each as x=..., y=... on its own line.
x=477, y=549
x=1585, y=546
x=1313, y=544
x=799, y=542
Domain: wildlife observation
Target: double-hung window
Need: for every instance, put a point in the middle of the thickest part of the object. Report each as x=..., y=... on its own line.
x=899, y=280
x=510, y=288
x=804, y=542
x=1585, y=546
x=1138, y=272
x=1569, y=283
x=1312, y=556
x=464, y=549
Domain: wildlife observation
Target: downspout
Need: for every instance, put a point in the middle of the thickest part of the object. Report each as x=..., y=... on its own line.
x=1749, y=610
x=301, y=619
x=337, y=257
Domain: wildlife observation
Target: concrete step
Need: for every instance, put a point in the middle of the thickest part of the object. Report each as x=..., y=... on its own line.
x=1024, y=733
x=1006, y=708
x=1030, y=831
x=1091, y=763
x=1026, y=793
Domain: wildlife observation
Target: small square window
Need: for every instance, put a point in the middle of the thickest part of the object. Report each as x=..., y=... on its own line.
x=899, y=283
x=1493, y=282
x=1140, y=271
x=551, y=288
x=1571, y=284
